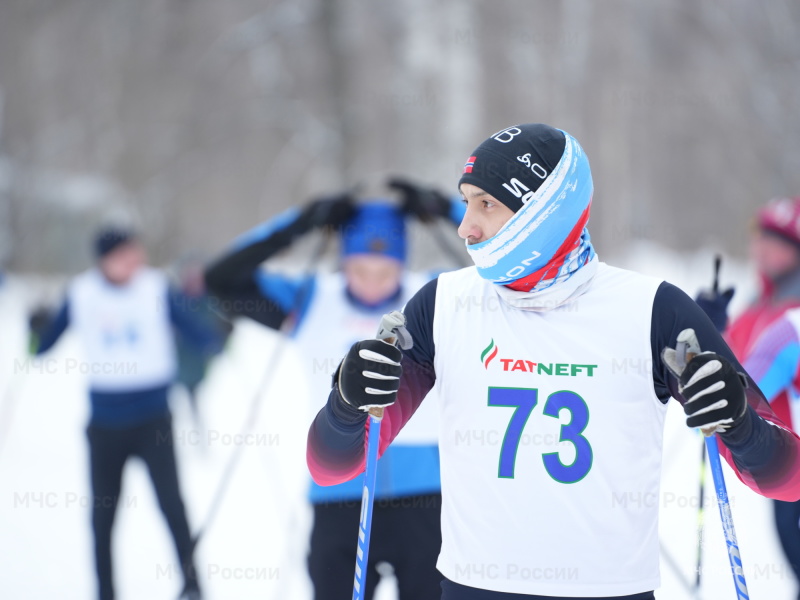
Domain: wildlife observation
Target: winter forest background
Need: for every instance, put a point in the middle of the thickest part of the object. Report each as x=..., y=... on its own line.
x=197, y=119
x=200, y=118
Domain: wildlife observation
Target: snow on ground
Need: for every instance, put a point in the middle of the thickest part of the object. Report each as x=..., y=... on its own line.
x=256, y=546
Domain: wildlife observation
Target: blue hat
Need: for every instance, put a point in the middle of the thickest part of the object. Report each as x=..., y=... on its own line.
x=375, y=228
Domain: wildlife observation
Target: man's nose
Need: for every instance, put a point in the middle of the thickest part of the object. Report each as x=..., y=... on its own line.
x=469, y=228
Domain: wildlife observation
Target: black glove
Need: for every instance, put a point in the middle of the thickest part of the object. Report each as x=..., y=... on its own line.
x=369, y=375
x=715, y=305
x=422, y=202
x=714, y=392
x=38, y=322
x=333, y=211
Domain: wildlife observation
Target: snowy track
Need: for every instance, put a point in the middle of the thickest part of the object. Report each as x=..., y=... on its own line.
x=256, y=546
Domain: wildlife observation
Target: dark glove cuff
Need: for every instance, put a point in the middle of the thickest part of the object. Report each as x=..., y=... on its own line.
x=344, y=413
x=739, y=434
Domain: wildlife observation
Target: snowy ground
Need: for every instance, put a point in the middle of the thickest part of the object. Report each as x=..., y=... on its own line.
x=256, y=546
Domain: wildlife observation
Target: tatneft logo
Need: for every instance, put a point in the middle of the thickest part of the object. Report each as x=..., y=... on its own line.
x=488, y=354
x=540, y=368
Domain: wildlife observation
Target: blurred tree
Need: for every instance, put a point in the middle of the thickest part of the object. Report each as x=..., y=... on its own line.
x=202, y=118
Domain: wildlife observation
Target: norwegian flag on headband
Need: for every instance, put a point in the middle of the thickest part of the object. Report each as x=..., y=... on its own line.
x=469, y=164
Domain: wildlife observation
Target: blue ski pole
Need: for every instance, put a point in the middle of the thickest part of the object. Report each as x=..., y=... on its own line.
x=727, y=518
x=367, y=497
x=392, y=331
x=688, y=347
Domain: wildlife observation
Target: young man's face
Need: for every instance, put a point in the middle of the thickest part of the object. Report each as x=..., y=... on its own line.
x=774, y=256
x=121, y=264
x=484, y=217
x=372, y=278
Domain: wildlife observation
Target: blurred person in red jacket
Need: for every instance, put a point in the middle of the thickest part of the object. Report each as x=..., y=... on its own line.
x=759, y=337
x=775, y=250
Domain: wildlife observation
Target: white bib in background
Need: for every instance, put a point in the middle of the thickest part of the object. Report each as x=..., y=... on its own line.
x=328, y=330
x=125, y=331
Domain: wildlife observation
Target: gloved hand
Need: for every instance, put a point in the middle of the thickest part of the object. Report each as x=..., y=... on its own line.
x=369, y=375
x=333, y=211
x=422, y=202
x=39, y=319
x=38, y=322
x=714, y=391
x=715, y=305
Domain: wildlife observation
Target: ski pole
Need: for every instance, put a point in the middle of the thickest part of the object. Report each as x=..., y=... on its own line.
x=734, y=557
x=686, y=584
x=388, y=331
x=700, y=518
x=700, y=507
x=688, y=347
x=255, y=402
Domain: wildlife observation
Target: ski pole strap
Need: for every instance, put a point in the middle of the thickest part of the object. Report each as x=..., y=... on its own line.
x=392, y=329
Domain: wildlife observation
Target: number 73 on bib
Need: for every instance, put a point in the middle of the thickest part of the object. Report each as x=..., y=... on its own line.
x=523, y=400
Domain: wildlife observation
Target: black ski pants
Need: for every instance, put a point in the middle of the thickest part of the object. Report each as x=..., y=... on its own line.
x=109, y=449
x=406, y=533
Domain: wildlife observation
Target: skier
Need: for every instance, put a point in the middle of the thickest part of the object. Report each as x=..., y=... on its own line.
x=775, y=250
x=762, y=336
x=550, y=429
x=773, y=363
x=118, y=311
x=329, y=312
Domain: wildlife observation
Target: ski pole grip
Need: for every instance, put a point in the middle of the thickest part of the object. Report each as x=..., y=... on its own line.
x=377, y=411
x=705, y=432
x=687, y=348
x=391, y=327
